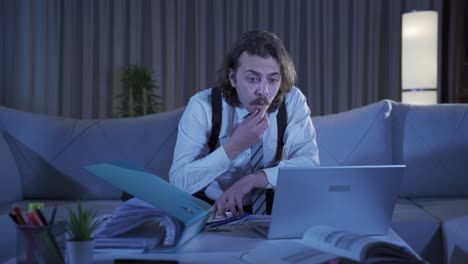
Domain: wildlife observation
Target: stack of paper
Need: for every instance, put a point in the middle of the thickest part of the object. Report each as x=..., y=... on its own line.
x=137, y=224
x=219, y=222
x=181, y=215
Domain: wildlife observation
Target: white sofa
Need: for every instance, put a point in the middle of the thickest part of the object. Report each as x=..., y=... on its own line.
x=41, y=159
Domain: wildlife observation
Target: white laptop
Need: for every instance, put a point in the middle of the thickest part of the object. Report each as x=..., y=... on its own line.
x=359, y=199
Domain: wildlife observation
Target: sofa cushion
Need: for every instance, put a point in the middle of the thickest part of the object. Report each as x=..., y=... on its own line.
x=456, y=239
x=453, y=213
x=50, y=160
x=419, y=229
x=42, y=180
x=432, y=141
x=148, y=140
x=361, y=136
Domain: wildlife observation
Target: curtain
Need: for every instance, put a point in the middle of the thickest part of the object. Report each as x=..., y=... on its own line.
x=453, y=53
x=65, y=58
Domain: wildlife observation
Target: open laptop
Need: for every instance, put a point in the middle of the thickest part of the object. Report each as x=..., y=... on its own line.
x=359, y=199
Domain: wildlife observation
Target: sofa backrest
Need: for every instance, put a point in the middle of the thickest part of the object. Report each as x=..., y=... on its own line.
x=432, y=141
x=49, y=152
x=361, y=136
x=42, y=156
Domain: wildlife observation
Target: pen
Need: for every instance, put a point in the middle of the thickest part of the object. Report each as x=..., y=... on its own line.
x=33, y=219
x=19, y=216
x=46, y=236
x=41, y=216
x=12, y=216
x=52, y=217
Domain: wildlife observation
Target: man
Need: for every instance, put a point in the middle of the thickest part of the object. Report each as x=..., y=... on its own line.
x=257, y=76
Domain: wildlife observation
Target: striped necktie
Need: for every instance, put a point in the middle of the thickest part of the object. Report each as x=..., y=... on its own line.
x=256, y=164
x=256, y=157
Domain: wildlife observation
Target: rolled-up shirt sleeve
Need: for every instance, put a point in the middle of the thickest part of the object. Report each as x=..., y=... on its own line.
x=191, y=159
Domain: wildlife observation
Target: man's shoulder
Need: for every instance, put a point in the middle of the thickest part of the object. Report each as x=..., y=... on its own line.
x=203, y=95
x=294, y=96
x=202, y=98
x=294, y=92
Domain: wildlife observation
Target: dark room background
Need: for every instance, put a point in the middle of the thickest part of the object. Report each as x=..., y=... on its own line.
x=64, y=58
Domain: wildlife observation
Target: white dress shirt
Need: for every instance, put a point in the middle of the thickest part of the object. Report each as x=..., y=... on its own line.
x=194, y=168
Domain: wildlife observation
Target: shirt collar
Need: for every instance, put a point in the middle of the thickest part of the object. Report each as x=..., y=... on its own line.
x=241, y=112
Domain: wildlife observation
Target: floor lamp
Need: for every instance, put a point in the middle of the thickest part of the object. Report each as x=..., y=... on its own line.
x=419, y=57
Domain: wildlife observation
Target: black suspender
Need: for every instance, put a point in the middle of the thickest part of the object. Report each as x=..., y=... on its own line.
x=281, y=120
x=216, y=119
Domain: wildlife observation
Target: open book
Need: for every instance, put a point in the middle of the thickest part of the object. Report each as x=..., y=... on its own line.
x=321, y=244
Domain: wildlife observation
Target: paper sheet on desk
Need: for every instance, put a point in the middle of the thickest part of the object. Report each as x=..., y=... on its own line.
x=137, y=223
x=230, y=220
x=145, y=237
x=285, y=251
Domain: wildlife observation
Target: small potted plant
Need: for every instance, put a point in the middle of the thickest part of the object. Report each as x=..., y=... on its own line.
x=80, y=225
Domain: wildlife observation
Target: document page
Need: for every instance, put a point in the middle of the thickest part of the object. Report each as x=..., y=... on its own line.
x=145, y=237
x=136, y=223
x=358, y=247
x=337, y=242
x=322, y=243
x=285, y=251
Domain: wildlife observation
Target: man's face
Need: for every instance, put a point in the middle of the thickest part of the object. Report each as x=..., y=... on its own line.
x=257, y=81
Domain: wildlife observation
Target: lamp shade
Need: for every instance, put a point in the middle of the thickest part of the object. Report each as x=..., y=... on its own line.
x=419, y=57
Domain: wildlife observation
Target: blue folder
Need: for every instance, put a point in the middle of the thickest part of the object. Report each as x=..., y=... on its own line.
x=190, y=211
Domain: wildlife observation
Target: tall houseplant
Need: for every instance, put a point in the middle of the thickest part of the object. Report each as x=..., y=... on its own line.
x=139, y=92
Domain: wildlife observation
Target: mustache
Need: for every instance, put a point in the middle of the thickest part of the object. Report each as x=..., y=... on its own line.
x=260, y=101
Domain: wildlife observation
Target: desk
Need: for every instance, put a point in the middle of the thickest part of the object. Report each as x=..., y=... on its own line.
x=206, y=247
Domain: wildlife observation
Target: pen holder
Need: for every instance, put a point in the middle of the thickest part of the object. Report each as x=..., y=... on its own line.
x=40, y=244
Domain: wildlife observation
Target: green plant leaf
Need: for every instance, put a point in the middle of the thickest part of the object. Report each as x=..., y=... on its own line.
x=139, y=92
x=82, y=223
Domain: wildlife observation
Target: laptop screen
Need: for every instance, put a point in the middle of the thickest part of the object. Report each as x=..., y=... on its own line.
x=359, y=199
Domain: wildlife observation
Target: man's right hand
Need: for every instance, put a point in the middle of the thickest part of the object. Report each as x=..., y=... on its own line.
x=231, y=199
x=247, y=134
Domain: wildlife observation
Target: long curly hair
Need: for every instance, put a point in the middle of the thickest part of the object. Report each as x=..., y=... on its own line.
x=263, y=44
